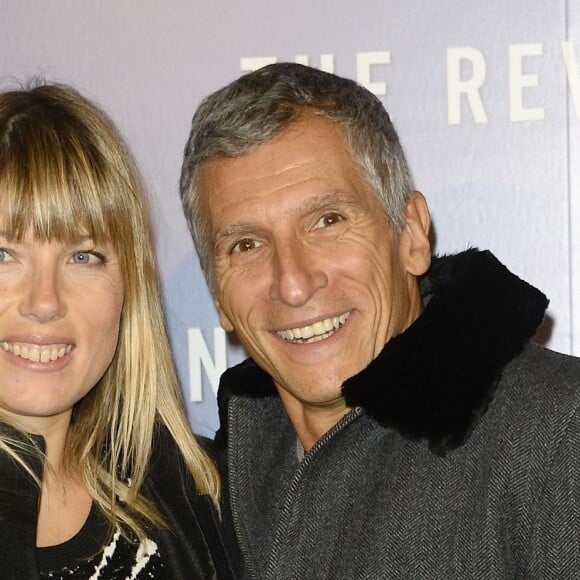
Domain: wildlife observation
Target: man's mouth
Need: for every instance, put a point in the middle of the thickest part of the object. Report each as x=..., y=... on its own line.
x=316, y=332
x=37, y=353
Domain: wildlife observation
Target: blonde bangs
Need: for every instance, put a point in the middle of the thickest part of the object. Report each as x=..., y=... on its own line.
x=53, y=185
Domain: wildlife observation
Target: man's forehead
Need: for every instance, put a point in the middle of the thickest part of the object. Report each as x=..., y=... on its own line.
x=320, y=136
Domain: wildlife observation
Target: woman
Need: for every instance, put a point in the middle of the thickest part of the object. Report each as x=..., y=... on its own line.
x=100, y=476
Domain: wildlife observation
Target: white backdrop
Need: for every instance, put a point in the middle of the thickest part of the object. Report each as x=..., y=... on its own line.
x=485, y=96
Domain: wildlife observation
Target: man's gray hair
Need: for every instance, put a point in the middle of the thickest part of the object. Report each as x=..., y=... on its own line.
x=235, y=119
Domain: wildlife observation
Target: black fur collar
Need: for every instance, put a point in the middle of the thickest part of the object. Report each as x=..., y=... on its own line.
x=435, y=380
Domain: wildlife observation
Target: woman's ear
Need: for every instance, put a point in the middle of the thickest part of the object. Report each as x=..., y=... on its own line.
x=414, y=245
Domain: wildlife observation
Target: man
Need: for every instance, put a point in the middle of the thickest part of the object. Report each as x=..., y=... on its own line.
x=393, y=421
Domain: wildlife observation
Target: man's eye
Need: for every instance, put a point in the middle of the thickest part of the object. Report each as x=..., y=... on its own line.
x=245, y=245
x=329, y=219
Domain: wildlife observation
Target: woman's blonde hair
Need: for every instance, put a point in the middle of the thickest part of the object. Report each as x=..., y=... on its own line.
x=65, y=172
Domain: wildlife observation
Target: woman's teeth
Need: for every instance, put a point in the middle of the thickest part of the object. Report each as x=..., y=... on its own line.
x=36, y=353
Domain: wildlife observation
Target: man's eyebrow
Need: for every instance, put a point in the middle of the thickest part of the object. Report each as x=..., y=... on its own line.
x=327, y=201
x=322, y=202
x=233, y=231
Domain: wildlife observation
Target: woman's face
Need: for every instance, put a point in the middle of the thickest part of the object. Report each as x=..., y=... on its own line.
x=60, y=310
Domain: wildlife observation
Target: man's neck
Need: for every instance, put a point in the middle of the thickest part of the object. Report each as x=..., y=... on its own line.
x=312, y=421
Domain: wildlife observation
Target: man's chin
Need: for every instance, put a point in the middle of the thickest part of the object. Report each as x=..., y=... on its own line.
x=323, y=398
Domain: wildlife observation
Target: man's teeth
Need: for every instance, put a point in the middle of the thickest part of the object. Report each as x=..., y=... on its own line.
x=37, y=353
x=314, y=332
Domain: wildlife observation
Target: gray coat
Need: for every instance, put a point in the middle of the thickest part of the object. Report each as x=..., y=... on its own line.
x=465, y=466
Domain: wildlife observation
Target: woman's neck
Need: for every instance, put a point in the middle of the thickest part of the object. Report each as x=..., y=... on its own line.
x=64, y=502
x=64, y=499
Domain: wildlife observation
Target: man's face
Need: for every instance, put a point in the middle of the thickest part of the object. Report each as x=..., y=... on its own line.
x=306, y=270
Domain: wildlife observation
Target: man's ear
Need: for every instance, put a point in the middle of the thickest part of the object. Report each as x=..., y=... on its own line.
x=414, y=245
x=224, y=320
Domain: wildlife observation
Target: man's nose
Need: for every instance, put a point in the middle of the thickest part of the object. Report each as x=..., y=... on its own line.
x=296, y=275
x=42, y=298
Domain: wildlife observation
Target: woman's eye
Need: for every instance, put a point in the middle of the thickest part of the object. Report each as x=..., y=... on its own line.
x=329, y=219
x=245, y=245
x=5, y=255
x=86, y=257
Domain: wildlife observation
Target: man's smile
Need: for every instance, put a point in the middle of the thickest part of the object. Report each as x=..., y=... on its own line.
x=320, y=330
